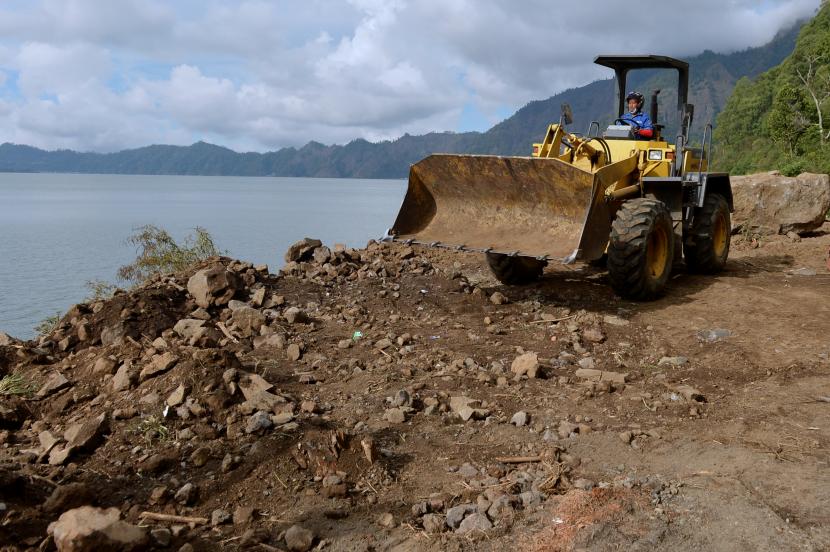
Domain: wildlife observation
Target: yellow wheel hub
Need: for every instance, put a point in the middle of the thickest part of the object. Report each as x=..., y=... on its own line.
x=657, y=252
x=720, y=234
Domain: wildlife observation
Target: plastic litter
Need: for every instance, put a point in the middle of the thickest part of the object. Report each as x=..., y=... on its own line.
x=711, y=336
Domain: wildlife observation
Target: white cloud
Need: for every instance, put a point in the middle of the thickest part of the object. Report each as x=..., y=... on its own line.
x=257, y=74
x=48, y=69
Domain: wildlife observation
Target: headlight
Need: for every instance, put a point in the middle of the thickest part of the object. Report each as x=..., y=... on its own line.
x=655, y=155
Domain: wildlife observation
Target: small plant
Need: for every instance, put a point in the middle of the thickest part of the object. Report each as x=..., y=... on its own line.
x=158, y=252
x=48, y=324
x=100, y=290
x=152, y=428
x=16, y=384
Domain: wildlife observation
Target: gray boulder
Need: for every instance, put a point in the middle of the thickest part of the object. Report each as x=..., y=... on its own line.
x=474, y=523
x=456, y=514
x=769, y=203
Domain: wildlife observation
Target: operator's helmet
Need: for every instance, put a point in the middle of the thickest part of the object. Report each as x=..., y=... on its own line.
x=636, y=96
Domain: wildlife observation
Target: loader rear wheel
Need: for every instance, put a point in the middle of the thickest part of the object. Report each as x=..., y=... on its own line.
x=706, y=246
x=515, y=271
x=641, y=249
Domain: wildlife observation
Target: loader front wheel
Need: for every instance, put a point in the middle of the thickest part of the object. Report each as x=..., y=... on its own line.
x=515, y=271
x=641, y=249
x=706, y=246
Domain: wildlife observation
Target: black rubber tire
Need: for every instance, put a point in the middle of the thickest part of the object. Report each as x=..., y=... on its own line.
x=515, y=271
x=641, y=249
x=706, y=245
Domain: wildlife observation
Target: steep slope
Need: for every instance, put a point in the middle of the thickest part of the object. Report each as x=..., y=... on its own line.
x=713, y=78
x=772, y=122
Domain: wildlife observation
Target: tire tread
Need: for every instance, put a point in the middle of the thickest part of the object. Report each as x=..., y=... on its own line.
x=698, y=245
x=627, y=248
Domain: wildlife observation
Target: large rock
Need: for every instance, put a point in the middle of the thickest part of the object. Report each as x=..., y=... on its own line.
x=248, y=320
x=87, y=434
x=113, y=335
x=88, y=529
x=66, y=497
x=601, y=375
x=82, y=436
x=526, y=364
x=263, y=400
x=188, y=327
x=197, y=333
x=104, y=365
x=302, y=250
x=252, y=384
x=53, y=384
x=298, y=539
x=456, y=514
x=468, y=408
x=272, y=340
x=124, y=377
x=474, y=523
x=158, y=365
x=215, y=285
x=769, y=203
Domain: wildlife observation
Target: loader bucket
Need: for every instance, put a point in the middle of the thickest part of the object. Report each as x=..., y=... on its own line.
x=535, y=207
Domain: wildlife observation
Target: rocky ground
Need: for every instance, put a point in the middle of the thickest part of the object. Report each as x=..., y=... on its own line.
x=394, y=398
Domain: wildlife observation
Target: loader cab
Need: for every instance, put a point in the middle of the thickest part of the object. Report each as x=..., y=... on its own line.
x=622, y=65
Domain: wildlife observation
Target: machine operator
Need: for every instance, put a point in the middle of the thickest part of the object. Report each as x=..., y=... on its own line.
x=640, y=123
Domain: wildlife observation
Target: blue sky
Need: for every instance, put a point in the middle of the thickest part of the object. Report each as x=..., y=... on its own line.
x=259, y=75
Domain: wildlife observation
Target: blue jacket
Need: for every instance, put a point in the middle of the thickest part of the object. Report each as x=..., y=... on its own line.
x=640, y=120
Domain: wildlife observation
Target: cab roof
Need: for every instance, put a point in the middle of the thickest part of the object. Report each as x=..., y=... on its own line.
x=641, y=62
x=623, y=64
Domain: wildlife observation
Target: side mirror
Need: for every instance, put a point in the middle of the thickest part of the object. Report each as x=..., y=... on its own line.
x=567, y=114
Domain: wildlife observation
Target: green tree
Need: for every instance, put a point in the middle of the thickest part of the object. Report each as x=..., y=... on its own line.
x=781, y=120
x=158, y=252
x=788, y=119
x=813, y=71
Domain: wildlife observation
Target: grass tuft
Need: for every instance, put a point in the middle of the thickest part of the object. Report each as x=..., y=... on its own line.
x=152, y=429
x=49, y=324
x=16, y=384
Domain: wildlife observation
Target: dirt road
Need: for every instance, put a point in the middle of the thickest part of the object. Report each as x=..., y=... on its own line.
x=401, y=418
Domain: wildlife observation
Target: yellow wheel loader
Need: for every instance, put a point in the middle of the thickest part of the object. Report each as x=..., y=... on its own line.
x=581, y=198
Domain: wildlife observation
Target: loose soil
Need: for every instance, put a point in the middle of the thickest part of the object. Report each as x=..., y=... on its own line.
x=716, y=440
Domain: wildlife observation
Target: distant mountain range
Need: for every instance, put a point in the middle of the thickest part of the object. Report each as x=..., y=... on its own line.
x=713, y=77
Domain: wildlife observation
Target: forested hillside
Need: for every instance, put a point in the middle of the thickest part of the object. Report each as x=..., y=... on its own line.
x=713, y=77
x=781, y=120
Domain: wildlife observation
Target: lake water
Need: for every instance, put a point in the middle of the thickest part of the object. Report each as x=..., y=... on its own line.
x=59, y=231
